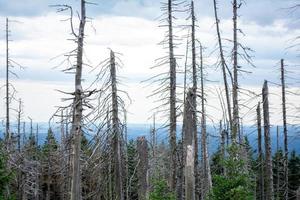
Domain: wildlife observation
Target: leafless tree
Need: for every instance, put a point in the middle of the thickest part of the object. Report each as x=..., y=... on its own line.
x=269, y=169
x=285, y=132
x=260, y=155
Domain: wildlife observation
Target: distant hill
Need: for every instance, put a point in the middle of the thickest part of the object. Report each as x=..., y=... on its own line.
x=135, y=130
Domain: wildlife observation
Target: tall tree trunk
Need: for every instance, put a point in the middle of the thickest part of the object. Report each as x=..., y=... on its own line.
x=189, y=147
x=116, y=131
x=207, y=184
x=142, y=170
x=194, y=100
x=235, y=125
x=223, y=63
x=285, y=133
x=277, y=163
x=8, y=134
x=261, y=188
x=172, y=99
x=77, y=111
x=269, y=171
x=20, y=189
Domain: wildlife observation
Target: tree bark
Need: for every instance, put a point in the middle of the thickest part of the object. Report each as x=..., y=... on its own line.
x=116, y=131
x=8, y=134
x=189, y=147
x=77, y=111
x=142, y=170
x=172, y=128
x=194, y=100
x=235, y=125
x=285, y=133
x=260, y=156
x=207, y=184
x=269, y=172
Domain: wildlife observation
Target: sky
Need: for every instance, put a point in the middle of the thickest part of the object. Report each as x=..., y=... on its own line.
x=40, y=35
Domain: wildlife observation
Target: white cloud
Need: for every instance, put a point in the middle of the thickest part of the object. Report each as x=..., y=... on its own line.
x=38, y=39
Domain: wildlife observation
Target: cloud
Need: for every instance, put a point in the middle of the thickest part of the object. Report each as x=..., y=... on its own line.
x=134, y=34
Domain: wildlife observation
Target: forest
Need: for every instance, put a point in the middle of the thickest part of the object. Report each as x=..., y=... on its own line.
x=196, y=147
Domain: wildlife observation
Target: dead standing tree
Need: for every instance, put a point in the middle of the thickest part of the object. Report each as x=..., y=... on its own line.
x=116, y=131
x=107, y=114
x=268, y=167
x=224, y=66
x=207, y=181
x=77, y=111
x=166, y=90
x=172, y=100
x=261, y=188
x=285, y=132
x=189, y=147
x=235, y=114
x=142, y=168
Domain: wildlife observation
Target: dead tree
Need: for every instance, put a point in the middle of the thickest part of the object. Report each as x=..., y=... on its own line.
x=194, y=100
x=166, y=89
x=222, y=145
x=224, y=65
x=268, y=167
x=142, y=169
x=189, y=147
x=77, y=110
x=235, y=114
x=285, y=132
x=8, y=134
x=115, y=131
x=207, y=182
x=261, y=188
x=172, y=128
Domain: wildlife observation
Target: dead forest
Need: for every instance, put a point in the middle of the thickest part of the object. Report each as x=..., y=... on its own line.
x=93, y=158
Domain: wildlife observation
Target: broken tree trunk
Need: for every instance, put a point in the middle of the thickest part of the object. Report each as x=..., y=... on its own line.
x=189, y=147
x=285, y=133
x=269, y=172
x=260, y=156
x=142, y=169
x=172, y=128
x=116, y=131
x=77, y=111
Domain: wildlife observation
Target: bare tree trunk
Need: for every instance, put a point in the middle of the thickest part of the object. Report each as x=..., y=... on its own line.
x=285, y=133
x=116, y=131
x=207, y=184
x=189, y=147
x=8, y=134
x=142, y=170
x=77, y=112
x=19, y=149
x=260, y=156
x=223, y=63
x=172, y=100
x=235, y=125
x=181, y=151
x=269, y=171
x=194, y=101
x=222, y=133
